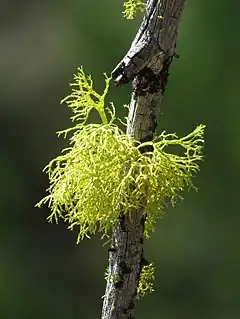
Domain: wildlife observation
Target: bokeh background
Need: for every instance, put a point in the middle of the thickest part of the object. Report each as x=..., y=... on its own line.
x=43, y=273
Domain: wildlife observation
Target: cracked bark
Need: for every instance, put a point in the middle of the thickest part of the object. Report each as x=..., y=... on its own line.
x=146, y=64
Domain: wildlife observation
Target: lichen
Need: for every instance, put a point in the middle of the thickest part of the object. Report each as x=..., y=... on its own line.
x=103, y=171
x=147, y=277
x=132, y=7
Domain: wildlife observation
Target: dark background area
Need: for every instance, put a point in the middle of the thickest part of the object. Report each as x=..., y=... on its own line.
x=43, y=273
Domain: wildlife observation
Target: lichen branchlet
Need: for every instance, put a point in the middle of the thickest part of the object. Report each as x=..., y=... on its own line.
x=147, y=277
x=132, y=7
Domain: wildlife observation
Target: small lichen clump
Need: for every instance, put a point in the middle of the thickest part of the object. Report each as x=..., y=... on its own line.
x=103, y=170
x=147, y=277
x=132, y=7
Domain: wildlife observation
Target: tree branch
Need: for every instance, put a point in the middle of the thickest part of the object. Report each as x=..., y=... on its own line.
x=146, y=64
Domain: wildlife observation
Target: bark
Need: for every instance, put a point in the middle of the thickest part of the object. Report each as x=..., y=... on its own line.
x=146, y=64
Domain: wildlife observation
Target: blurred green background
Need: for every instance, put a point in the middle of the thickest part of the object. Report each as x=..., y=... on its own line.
x=43, y=273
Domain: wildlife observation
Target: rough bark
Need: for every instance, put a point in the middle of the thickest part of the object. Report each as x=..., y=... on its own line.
x=146, y=64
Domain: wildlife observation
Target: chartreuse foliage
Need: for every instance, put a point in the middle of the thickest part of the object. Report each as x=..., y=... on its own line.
x=103, y=170
x=132, y=7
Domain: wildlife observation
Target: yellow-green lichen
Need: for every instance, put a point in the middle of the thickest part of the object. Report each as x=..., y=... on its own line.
x=103, y=170
x=147, y=277
x=132, y=7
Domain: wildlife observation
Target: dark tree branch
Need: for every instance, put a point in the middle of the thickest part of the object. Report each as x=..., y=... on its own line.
x=146, y=64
